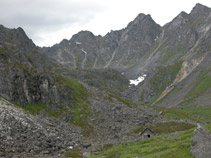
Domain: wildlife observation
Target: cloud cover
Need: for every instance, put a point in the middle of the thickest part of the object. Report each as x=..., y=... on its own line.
x=40, y=18
x=49, y=21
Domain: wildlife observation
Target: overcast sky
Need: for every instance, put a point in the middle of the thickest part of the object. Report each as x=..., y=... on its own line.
x=47, y=22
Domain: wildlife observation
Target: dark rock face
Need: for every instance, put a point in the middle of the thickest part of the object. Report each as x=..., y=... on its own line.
x=24, y=85
x=26, y=76
x=201, y=143
x=17, y=37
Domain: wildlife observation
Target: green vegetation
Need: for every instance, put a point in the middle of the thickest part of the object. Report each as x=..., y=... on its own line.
x=73, y=154
x=175, y=113
x=109, y=99
x=163, y=77
x=171, y=52
x=163, y=128
x=201, y=84
x=107, y=146
x=79, y=92
x=120, y=99
x=24, y=67
x=37, y=108
x=166, y=146
x=3, y=50
x=80, y=109
x=200, y=114
x=78, y=105
x=208, y=126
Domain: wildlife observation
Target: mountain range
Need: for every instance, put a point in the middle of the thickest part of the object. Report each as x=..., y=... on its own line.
x=91, y=91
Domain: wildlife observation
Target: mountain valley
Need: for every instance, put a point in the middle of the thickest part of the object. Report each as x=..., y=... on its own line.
x=93, y=96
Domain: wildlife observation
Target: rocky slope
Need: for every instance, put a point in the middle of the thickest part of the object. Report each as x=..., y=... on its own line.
x=24, y=135
x=76, y=94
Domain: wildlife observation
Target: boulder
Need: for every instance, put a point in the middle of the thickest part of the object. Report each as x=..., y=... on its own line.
x=201, y=143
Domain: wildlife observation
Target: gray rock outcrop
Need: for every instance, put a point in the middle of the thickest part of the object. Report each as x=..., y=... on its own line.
x=201, y=143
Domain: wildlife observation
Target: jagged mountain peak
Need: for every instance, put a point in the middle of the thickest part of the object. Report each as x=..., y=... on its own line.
x=83, y=34
x=64, y=42
x=144, y=16
x=142, y=20
x=200, y=9
x=199, y=6
x=83, y=37
x=15, y=32
x=20, y=29
x=179, y=20
x=122, y=49
x=16, y=37
x=183, y=14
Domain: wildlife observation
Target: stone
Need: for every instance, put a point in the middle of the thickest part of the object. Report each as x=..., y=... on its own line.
x=201, y=143
x=161, y=113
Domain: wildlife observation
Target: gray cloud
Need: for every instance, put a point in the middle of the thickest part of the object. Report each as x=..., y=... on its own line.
x=38, y=16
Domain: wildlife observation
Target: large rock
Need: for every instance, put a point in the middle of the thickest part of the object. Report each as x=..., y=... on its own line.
x=201, y=143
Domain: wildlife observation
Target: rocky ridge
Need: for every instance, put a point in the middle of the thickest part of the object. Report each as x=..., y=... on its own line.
x=144, y=47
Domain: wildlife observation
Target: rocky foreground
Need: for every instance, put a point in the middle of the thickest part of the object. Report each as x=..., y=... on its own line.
x=24, y=135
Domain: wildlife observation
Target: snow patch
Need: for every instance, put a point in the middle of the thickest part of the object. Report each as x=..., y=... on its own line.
x=138, y=80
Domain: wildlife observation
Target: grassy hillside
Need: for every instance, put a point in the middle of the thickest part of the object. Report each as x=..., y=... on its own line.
x=162, y=78
x=199, y=114
x=163, y=128
x=175, y=145
x=201, y=84
x=78, y=106
x=80, y=109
